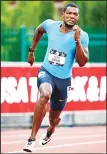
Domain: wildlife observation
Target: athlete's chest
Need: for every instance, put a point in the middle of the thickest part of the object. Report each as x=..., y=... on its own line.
x=54, y=35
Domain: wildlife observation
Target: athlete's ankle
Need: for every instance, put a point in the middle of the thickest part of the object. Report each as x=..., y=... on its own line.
x=32, y=138
x=50, y=132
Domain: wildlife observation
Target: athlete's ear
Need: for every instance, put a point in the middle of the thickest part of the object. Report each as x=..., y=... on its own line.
x=78, y=17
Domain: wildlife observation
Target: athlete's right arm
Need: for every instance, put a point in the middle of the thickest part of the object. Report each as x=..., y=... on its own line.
x=36, y=38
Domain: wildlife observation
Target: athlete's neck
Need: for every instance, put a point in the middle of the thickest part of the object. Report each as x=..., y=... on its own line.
x=69, y=27
x=64, y=28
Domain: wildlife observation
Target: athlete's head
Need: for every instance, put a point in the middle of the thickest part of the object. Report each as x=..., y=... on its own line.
x=70, y=15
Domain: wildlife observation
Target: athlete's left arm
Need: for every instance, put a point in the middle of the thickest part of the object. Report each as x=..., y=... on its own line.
x=81, y=52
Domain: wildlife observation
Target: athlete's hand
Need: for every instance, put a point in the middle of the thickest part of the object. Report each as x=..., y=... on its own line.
x=77, y=30
x=31, y=58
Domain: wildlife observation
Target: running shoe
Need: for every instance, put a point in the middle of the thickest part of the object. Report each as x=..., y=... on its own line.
x=30, y=145
x=45, y=139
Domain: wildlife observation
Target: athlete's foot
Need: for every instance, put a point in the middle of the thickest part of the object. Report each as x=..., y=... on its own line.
x=45, y=138
x=30, y=145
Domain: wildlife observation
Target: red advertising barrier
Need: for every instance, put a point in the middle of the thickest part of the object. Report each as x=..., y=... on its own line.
x=19, y=89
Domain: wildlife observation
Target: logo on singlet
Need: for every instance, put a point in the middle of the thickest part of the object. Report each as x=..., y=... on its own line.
x=41, y=74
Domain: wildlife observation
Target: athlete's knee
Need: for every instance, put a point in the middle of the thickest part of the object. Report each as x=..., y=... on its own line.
x=44, y=97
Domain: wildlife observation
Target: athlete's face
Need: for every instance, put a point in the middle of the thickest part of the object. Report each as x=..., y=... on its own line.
x=70, y=16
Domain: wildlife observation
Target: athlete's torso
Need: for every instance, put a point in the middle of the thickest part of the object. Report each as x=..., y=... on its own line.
x=61, y=50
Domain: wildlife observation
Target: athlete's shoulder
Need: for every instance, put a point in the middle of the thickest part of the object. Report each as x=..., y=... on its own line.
x=48, y=23
x=84, y=38
x=48, y=20
x=84, y=33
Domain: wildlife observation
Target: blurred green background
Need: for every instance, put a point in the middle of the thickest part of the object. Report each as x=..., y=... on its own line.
x=19, y=20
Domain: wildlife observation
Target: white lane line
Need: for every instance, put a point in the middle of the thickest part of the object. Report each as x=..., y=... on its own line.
x=59, y=138
x=18, y=134
x=64, y=145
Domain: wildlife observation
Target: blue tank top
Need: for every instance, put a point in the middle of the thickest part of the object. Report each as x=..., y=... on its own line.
x=60, y=54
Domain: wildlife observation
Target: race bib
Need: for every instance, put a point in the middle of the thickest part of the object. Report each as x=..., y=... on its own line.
x=57, y=58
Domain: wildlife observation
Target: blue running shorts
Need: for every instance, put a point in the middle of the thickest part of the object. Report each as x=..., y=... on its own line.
x=59, y=88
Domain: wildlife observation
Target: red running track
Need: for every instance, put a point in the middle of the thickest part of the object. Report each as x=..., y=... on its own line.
x=91, y=139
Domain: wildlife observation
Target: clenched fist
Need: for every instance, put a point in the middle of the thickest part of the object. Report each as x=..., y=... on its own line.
x=31, y=58
x=77, y=30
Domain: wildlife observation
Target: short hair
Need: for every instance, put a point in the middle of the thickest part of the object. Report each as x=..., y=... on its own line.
x=70, y=4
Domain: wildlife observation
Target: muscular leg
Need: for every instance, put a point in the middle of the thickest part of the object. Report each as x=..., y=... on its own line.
x=40, y=108
x=54, y=121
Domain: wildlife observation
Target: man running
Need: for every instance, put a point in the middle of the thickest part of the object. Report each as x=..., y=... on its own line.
x=67, y=43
